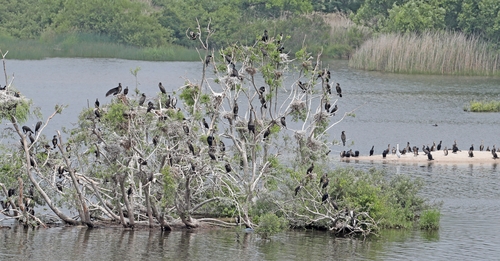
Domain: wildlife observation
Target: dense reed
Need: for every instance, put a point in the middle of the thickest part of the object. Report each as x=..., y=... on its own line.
x=483, y=106
x=427, y=53
x=90, y=46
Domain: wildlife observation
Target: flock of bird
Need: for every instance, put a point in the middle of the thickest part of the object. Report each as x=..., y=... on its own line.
x=425, y=149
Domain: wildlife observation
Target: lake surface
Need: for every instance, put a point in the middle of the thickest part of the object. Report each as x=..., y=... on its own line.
x=394, y=109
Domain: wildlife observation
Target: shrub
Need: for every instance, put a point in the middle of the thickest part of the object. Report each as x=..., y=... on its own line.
x=430, y=219
x=270, y=224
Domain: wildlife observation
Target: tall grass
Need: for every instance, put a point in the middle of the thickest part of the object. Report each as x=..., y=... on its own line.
x=345, y=35
x=427, y=53
x=90, y=46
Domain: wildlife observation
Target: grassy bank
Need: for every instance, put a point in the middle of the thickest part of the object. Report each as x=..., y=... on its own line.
x=483, y=106
x=89, y=46
x=428, y=53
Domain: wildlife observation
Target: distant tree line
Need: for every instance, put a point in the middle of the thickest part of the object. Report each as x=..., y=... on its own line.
x=159, y=22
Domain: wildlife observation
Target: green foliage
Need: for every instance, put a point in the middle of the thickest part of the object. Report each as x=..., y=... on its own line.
x=429, y=219
x=483, y=106
x=115, y=116
x=188, y=95
x=169, y=185
x=415, y=16
x=15, y=107
x=270, y=224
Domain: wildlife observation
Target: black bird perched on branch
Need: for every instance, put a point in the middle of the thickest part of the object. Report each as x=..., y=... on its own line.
x=97, y=113
x=54, y=141
x=283, y=121
x=142, y=99
x=96, y=103
x=235, y=110
x=228, y=167
x=343, y=138
x=335, y=108
x=328, y=88
x=207, y=60
x=38, y=126
x=192, y=35
x=155, y=140
x=323, y=182
x=186, y=129
x=324, y=198
x=2, y=88
x=26, y=129
x=31, y=138
x=265, y=37
x=266, y=133
x=311, y=168
x=339, y=90
x=125, y=91
x=371, y=150
x=262, y=89
x=205, y=124
x=210, y=140
x=297, y=189
x=162, y=89
x=129, y=191
x=212, y=154
x=327, y=106
x=251, y=125
x=151, y=106
x=302, y=86
x=115, y=91
x=263, y=101
x=191, y=148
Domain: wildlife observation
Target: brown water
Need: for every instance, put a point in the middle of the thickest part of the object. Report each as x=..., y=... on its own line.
x=396, y=109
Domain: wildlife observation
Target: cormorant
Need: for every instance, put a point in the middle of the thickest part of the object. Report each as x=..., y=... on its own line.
x=192, y=35
x=371, y=150
x=342, y=154
x=398, y=153
x=96, y=103
x=167, y=102
x=384, y=154
x=211, y=154
x=59, y=186
x=210, y=140
x=262, y=89
x=251, y=125
x=228, y=167
x=433, y=147
x=455, y=147
x=328, y=88
x=471, y=147
x=142, y=99
x=481, y=147
x=343, y=138
x=335, y=108
x=54, y=141
x=207, y=60
x=205, y=124
x=429, y=156
x=162, y=89
x=142, y=162
x=235, y=110
x=2, y=88
x=439, y=145
x=265, y=37
x=191, y=148
x=151, y=106
x=356, y=153
x=11, y=192
x=263, y=101
x=494, y=153
x=323, y=182
x=17, y=94
x=129, y=191
x=97, y=113
x=31, y=138
x=266, y=133
x=222, y=146
x=297, y=189
x=471, y=153
x=327, y=106
x=324, y=198
x=445, y=151
x=173, y=102
x=26, y=129
x=310, y=169
x=283, y=121
x=115, y=91
x=302, y=86
x=488, y=148
x=125, y=91
x=415, y=151
x=339, y=90
x=186, y=129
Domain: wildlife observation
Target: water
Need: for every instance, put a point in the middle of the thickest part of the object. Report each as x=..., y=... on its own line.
x=395, y=109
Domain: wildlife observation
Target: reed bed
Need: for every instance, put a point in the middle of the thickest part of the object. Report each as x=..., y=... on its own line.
x=90, y=46
x=427, y=53
x=483, y=106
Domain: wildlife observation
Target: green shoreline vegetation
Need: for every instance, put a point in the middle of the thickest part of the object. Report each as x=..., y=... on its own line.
x=483, y=106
